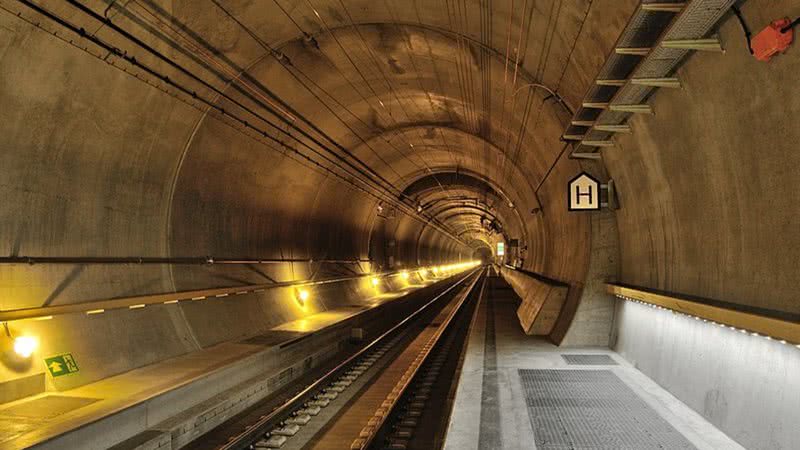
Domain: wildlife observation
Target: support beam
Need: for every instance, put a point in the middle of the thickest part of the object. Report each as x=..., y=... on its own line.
x=573, y=137
x=623, y=128
x=582, y=123
x=594, y=156
x=595, y=105
x=636, y=109
x=607, y=143
x=671, y=82
x=663, y=7
x=709, y=45
x=618, y=83
x=634, y=51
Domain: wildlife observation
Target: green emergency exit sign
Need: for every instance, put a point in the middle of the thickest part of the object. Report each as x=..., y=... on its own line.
x=59, y=365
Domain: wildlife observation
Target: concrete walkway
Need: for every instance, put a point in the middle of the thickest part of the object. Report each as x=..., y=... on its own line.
x=174, y=401
x=519, y=392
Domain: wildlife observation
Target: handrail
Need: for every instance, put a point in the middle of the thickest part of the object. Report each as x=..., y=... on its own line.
x=139, y=301
x=749, y=321
x=173, y=260
x=245, y=439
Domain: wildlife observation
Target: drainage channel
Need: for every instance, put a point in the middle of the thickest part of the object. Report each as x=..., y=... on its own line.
x=291, y=421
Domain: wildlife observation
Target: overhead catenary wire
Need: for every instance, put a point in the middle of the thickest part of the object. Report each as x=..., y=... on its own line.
x=374, y=61
x=371, y=173
x=210, y=105
x=287, y=65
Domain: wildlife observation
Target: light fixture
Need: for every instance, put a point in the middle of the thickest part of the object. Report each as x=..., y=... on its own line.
x=375, y=281
x=405, y=275
x=301, y=295
x=24, y=346
x=419, y=208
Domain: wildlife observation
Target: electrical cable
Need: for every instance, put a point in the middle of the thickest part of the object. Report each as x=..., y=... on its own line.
x=745, y=28
x=791, y=25
x=371, y=173
x=111, y=49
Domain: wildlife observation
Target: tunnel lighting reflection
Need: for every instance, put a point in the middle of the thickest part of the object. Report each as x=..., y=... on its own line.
x=300, y=295
x=711, y=322
x=24, y=346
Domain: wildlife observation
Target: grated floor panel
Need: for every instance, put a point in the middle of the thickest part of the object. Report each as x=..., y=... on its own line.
x=593, y=409
x=589, y=360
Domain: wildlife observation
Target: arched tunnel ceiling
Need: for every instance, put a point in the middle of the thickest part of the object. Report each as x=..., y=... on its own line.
x=463, y=199
x=406, y=86
x=280, y=126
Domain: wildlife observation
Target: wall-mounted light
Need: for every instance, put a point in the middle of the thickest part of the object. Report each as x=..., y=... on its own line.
x=704, y=320
x=302, y=295
x=24, y=346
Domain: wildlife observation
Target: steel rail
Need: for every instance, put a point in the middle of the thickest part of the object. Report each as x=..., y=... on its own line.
x=256, y=430
x=369, y=432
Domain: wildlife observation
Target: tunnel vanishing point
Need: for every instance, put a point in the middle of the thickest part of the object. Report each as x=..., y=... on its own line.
x=399, y=224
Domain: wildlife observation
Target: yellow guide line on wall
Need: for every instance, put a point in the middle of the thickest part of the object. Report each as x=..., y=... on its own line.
x=768, y=326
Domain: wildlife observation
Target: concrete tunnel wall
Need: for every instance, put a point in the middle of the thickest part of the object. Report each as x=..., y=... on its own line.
x=715, y=217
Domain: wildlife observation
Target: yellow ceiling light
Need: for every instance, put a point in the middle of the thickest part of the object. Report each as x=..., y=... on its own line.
x=375, y=281
x=24, y=346
x=405, y=275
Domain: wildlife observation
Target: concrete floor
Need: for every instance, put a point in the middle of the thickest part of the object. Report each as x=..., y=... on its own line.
x=490, y=409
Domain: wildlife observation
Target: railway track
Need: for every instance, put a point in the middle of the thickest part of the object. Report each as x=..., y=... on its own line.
x=392, y=393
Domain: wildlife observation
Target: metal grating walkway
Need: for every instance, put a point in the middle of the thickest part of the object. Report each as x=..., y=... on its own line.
x=589, y=360
x=593, y=409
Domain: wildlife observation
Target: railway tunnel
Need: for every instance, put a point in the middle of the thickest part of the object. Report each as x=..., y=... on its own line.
x=461, y=224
